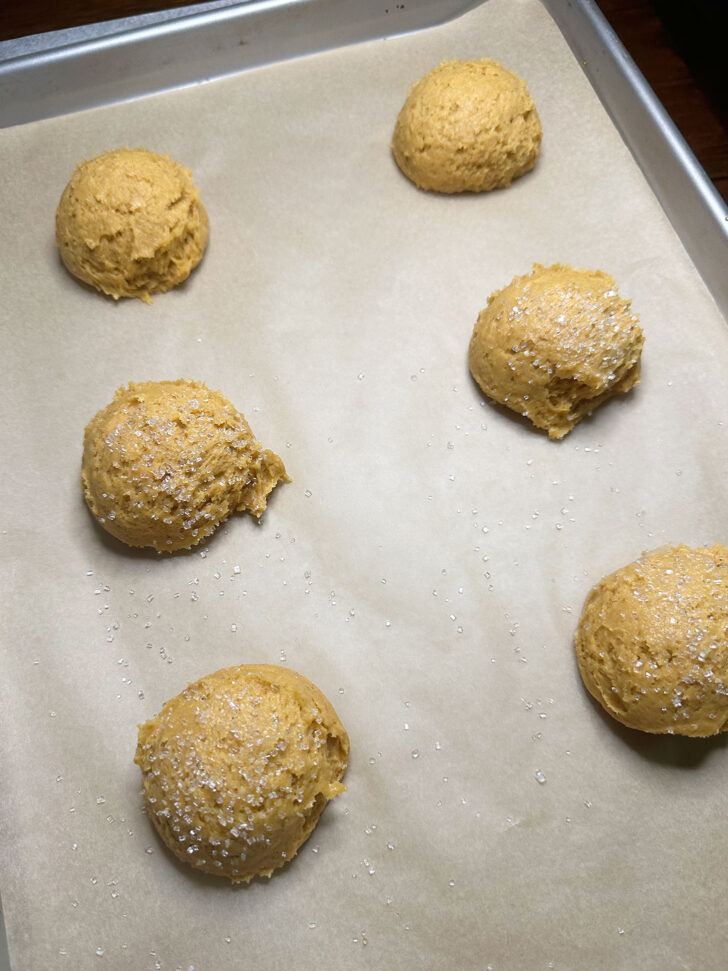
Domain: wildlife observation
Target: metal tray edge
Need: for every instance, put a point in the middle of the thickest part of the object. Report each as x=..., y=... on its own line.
x=690, y=200
x=133, y=62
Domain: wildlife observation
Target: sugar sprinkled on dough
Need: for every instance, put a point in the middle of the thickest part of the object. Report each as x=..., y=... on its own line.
x=652, y=642
x=238, y=768
x=554, y=344
x=167, y=461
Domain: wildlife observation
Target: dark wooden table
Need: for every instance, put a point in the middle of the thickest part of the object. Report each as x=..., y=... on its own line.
x=676, y=45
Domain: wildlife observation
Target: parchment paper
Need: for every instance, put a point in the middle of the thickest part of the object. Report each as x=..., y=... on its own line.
x=426, y=566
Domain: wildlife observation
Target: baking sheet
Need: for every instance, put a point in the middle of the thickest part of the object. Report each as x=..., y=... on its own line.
x=425, y=567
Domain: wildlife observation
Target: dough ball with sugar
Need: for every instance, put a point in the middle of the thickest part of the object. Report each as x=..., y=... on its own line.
x=652, y=642
x=167, y=461
x=237, y=769
x=130, y=223
x=467, y=126
x=554, y=344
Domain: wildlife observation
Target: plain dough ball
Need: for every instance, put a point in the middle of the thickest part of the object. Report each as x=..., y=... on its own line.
x=167, y=461
x=467, y=126
x=652, y=642
x=131, y=224
x=237, y=769
x=556, y=343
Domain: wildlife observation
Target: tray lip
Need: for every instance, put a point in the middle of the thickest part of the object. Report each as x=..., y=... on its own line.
x=691, y=202
x=108, y=63
x=122, y=31
x=128, y=31
x=646, y=96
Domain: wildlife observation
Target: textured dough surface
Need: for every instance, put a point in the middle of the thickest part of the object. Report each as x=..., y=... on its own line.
x=554, y=344
x=652, y=642
x=167, y=461
x=467, y=126
x=130, y=223
x=237, y=769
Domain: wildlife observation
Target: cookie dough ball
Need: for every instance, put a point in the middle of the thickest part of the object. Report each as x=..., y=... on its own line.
x=237, y=769
x=467, y=126
x=168, y=461
x=555, y=344
x=131, y=223
x=652, y=642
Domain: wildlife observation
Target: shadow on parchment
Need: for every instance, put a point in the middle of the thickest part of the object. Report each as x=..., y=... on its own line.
x=677, y=751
